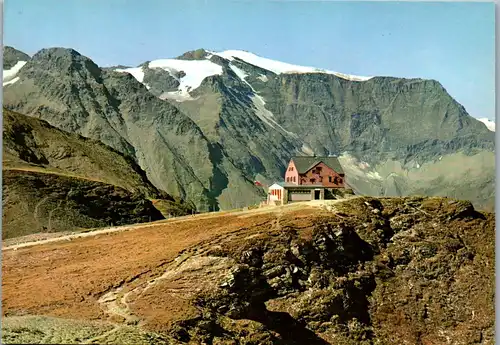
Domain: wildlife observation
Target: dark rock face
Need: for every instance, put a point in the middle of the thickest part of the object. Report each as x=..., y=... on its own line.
x=379, y=272
x=380, y=116
x=159, y=81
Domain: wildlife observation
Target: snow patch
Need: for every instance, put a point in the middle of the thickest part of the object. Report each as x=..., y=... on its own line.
x=177, y=96
x=279, y=67
x=307, y=150
x=374, y=175
x=263, y=78
x=240, y=73
x=10, y=74
x=489, y=124
x=353, y=166
x=363, y=165
x=196, y=71
x=10, y=82
x=136, y=72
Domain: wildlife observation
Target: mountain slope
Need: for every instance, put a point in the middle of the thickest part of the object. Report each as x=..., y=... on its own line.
x=489, y=124
x=206, y=125
x=376, y=123
x=57, y=181
x=33, y=144
x=12, y=56
x=35, y=202
x=114, y=108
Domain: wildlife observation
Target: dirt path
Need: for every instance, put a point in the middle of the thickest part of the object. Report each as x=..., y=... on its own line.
x=96, y=232
x=122, y=275
x=118, y=302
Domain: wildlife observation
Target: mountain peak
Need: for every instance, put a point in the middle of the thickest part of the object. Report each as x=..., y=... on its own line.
x=64, y=58
x=56, y=52
x=12, y=50
x=11, y=56
x=197, y=54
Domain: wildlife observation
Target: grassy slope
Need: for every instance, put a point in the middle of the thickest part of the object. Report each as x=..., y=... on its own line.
x=33, y=143
x=50, y=176
x=38, y=203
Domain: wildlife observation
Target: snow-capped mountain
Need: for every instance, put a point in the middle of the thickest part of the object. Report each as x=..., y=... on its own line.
x=279, y=67
x=195, y=71
x=206, y=124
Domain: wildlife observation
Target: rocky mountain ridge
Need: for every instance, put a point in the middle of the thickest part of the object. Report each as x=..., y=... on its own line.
x=205, y=126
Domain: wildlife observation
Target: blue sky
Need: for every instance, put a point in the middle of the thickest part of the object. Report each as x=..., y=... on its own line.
x=450, y=42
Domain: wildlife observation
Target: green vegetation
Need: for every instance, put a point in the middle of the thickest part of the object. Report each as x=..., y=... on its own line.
x=49, y=330
x=175, y=208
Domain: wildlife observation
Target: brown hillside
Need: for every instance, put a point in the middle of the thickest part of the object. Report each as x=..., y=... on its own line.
x=360, y=271
x=33, y=144
x=54, y=181
x=36, y=202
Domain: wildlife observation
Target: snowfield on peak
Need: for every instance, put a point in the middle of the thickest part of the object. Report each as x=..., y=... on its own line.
x=489, y=124
x=136, y=72
x=195, y=70
x=279, y=67
x=9, y=75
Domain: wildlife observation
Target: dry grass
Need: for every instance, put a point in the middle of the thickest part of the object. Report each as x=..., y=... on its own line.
x=66, y=278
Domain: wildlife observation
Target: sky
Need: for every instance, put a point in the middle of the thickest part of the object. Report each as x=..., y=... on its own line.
x=452, y=42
